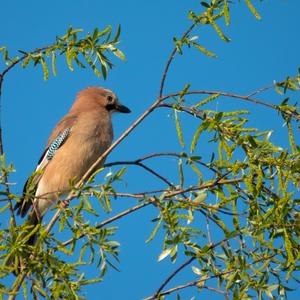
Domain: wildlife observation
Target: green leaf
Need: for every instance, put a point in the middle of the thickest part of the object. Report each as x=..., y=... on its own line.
x=69, y=56
x=164, y=254
x=45, y=68
x=181, y=175
x=195, y=169
x=116, y=38
x=226, y=13
x=91, y=64
x=216, y=27
x=183, y=92
x=53, y=63
x=207, y=100
x=4, y=208
x=204, y=50
x=178, y=129
x=288, y=248
x=200, y=197
x=41, y=291
x=253, y=10
x=196, y=137
x=154, y=231
x=105, y=31
x=118, y=53
x=291, y=137
x=269, y=290
x=26, y=61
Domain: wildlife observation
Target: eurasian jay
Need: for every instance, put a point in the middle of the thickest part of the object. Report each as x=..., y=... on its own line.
x=74, y=145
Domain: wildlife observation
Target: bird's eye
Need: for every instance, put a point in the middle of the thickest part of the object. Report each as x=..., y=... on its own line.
x=110, y=98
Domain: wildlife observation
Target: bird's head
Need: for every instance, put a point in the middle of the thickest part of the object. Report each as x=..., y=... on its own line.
x=99, y=98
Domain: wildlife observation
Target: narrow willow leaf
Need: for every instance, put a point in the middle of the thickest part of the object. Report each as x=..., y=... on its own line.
x=2, y=48
x=200, y=197
x=291, y=137
x=89, y=281
x=235, y=113
x=31, y=233
x=104, y=71
x=269, y=290
x=280, y=180
x=217, y=28
x=105, y=31
x=74, y=31
x=226, y=13
x=91, y=64
x=288, y=248
x=53, y=63
x=183, y=92
x=164, y=254
x=26, y=61
x=195, y=169
x=223, y=226
x=25, y=291
x=277, y=88
x=205, y=101
x=45, y=68
x=235, y=219
x=6, y=57
x=259, y=178
x=154, y=231
x=253, y=10
x=178, y=129
x=196, y=137
x=4, y=208
x=69, y=60
x=104, y=67
x=41, y=291
x=118, y=53
x=247, y=129
x=220, y=149
x=197, y=271
x=116, y=38
x=82, y=251
x=181, y=175
x=107, y=202
x=79, y=63
x=204, y=50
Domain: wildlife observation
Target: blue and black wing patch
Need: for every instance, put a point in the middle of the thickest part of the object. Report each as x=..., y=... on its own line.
x=57, y=143
x=31, y=184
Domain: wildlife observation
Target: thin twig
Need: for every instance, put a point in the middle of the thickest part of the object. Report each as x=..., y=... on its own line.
x=200, y=281
x=172, y=276
x=211, y=247
x=162, y=84
x=149, y=201
x=261, y=90
x=110, y=220
x=138, y=163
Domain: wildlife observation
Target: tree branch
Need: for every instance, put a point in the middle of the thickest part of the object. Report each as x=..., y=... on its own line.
x=230, y=95
x=197, y=282
x=162, y=84
x=110, y=220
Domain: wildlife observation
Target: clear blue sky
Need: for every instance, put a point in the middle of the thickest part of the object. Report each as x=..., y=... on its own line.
x=260, y=52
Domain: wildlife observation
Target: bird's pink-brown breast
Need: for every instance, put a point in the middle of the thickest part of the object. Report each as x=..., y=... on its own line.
x=90, y=136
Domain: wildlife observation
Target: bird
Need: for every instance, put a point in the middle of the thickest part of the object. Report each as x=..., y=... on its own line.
x=74, y=145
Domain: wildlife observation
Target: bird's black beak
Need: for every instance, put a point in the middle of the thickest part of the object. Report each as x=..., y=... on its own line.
x=122, y=109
